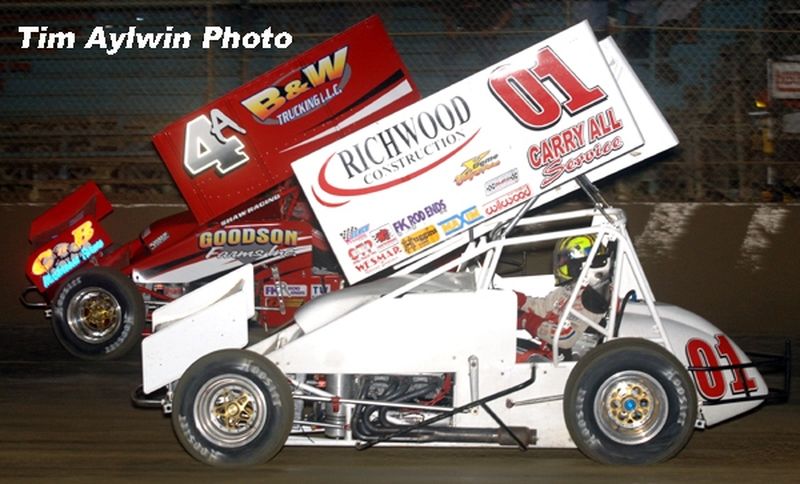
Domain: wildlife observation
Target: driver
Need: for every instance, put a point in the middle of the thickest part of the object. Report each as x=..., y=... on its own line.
x=539, y=315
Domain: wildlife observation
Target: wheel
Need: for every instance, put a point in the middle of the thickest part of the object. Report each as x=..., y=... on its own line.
x=98, y=314
x=232, y=408
x=630, y=401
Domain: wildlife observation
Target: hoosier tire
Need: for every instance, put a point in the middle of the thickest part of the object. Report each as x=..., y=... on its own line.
x=98, y=314
x=630, y=401
x=232, y=408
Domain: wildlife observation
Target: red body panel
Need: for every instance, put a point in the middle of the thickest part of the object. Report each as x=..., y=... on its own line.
x=86, y=200
x=242, y=144
x=231, y=161
x=82, y=241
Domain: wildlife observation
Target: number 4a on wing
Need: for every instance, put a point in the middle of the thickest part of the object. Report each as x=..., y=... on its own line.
x=207, y=147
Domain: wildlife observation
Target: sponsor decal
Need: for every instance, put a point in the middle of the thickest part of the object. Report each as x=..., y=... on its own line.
x=460, y=220
x=308, y=90
x=154, y=244
x=507, y=200
x=410, y=221
x=319, y=289
x=375, y=252
x=247, y=254
x=288, y=290
x=476, y=166
x=246, y=236
x=382, y=236
x=251, y=209
x=361, y=250
x=353, y=233
x=79, y=245
x=578, y=145
x=536, y=106
x=378, y=259
x=397, y=154
x=297, y=290
x=248, y=244
x=505, y=180
x=420, y=239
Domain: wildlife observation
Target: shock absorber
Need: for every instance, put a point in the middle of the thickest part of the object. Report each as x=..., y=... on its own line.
x=335, y=413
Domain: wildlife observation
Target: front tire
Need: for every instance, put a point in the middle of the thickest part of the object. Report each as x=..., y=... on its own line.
x=630, y=401
x=232, y=408
x=98, y=314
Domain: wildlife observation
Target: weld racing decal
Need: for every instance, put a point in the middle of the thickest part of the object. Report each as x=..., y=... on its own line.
x=477, y=165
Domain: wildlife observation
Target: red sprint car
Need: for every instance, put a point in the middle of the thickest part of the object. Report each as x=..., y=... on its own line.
x=231, y=162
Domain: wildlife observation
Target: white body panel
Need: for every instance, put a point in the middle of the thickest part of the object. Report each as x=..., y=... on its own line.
x=459, y=318
x=546, y=417
x=211, y=318
x=412, y=324
x=681, y=327
x=440, y=331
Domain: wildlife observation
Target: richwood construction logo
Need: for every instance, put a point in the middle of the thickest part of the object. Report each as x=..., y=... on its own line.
x=396, y=154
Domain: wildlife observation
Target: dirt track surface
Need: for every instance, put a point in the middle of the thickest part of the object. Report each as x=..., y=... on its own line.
x=66, y=420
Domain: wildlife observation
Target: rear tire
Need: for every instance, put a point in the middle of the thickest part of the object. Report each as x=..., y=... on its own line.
x=233, y=408
x=98, y=314
x=630, y=401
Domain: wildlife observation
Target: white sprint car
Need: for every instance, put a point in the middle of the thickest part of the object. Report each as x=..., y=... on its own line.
x=432, y=359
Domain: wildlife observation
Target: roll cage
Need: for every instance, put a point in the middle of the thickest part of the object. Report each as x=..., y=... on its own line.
x=483, y=247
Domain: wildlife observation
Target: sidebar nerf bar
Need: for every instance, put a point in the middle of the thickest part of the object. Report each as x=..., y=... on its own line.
x=779, y=366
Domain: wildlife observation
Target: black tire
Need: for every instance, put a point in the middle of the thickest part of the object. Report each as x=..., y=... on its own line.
x=630, y=401
x=258, y=429
x=98, y=314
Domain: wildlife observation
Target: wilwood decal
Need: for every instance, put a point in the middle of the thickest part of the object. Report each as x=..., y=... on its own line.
x=507, y=200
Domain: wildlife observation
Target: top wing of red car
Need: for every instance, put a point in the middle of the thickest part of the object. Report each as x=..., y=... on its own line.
x=243, y=143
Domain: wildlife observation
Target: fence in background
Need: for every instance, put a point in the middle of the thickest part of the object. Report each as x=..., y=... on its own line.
x=69, y=115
